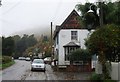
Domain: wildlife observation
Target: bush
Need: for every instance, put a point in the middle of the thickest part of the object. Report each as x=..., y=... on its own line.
x=95, y=76
x=109, y=80
x=79, y=54
x=6, y=59
x=8, y=64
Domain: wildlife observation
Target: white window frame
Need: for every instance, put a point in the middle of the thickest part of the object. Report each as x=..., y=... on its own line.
x=74, y=35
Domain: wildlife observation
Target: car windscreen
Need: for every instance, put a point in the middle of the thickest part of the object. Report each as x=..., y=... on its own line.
x=38, y=61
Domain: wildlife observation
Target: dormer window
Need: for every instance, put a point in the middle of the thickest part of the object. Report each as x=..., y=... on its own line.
x=74, y=35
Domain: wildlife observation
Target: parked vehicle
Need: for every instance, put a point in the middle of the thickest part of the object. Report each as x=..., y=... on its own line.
x=38, y=64
x=34, y=57
x=47, y=60
x=27, y=59
x=21, y=58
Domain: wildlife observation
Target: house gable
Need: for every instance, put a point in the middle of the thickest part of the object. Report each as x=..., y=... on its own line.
x=71, y=22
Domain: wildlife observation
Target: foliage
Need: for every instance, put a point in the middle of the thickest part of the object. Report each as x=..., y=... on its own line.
x=0, y=46
x=108, y=70
x=6, y=59
x=95, y=76
x=7, y=46
x=109, y=80
x=22, y=43
x=110, y=11
x=98, y=78
x=90, y=19
x=48, y=52
x=8, y=63
x=105, y=43
x=83, y=8
x=105, y=39
x=80, y=54
x=42, y=46
x=45, y=46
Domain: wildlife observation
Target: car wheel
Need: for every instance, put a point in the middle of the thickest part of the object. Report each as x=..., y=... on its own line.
x=44, y=70
x=31, y=69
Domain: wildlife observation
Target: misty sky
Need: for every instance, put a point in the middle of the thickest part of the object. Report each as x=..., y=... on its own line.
x=19, y=15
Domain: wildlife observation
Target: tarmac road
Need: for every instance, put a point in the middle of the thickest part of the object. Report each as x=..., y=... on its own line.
x=21, y=71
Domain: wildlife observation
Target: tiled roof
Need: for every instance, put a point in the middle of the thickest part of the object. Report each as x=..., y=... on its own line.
x=58, y=28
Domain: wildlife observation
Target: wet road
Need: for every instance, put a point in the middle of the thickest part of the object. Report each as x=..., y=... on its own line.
x=21, y=71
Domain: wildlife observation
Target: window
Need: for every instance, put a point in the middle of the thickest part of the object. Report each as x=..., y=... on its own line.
x=67, y=51
x=73, y=35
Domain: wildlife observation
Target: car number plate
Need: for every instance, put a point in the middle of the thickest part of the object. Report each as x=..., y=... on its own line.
x=38, y=66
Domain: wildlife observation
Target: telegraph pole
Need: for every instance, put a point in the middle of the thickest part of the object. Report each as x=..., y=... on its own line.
x=51, y=33
x=51, y=42
x=101, y=13
x=0, y=3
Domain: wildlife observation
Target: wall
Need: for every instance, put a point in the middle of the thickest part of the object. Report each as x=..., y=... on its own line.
x=65, y=38
x=115, y=73
x=115, y=70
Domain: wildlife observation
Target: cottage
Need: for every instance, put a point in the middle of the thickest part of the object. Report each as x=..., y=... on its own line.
x=68, y=37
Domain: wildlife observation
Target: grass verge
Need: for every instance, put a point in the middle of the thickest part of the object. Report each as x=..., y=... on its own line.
x=7, y=64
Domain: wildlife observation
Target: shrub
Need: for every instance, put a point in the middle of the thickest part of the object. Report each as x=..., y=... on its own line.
x=6, y=59
x=95, y=76
x=79, y=54
x=109, y=80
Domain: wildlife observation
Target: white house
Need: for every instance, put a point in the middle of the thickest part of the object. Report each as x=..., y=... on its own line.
x=68, y=37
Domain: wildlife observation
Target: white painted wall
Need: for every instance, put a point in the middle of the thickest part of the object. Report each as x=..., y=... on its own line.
x=65, y=38
x=115, y=73
x=83, y=34
x=115, y=70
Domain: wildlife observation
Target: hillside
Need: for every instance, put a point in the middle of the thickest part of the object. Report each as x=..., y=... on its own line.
x=36, y=31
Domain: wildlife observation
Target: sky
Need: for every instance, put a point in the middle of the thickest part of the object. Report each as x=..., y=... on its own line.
x=19, y=15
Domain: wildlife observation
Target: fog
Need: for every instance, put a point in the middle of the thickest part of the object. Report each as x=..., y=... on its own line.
x=18, y=16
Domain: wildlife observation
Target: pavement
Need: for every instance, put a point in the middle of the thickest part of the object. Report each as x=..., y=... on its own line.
x=72, y=75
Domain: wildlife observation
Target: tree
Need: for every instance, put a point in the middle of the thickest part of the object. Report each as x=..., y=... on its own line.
x=22, y=43
x=83, y=8
x=7, y=46
x=106, y=37
x=110, y=11
x=105, y=43
x=90, y=19
x=42, y=46
x=0, y=46
x=31, y=41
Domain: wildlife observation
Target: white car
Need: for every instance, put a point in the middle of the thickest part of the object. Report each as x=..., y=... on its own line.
x=47, y=60
x=21, y=58
x=38, y=64
x=27, y=59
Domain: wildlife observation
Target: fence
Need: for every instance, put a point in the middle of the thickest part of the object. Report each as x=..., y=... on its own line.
x=115, y=73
